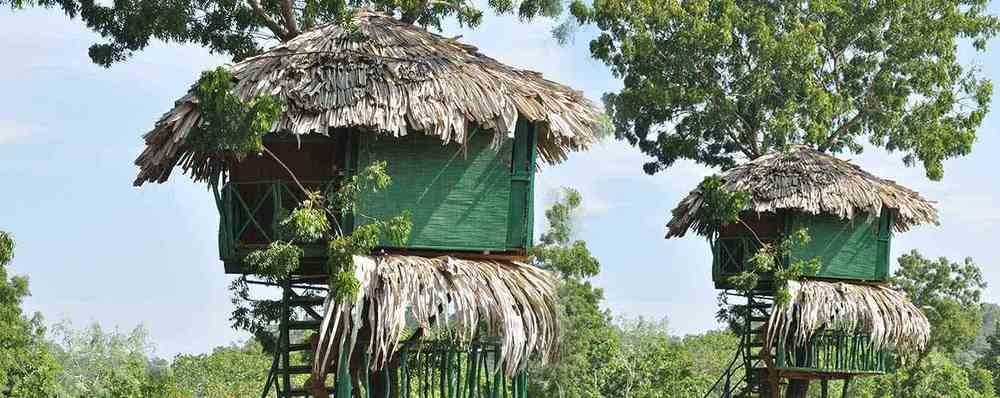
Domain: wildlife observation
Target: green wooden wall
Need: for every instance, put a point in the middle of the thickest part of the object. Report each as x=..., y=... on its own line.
x=475, y=198
x=848, y=249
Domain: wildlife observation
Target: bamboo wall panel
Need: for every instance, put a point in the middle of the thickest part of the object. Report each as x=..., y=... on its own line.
x=459, y=196
x=847, y=249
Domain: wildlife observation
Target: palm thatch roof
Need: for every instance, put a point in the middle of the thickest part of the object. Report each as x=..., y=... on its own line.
x=383, y=76
x=810, y=181
x=887, y=316
x=514, y=301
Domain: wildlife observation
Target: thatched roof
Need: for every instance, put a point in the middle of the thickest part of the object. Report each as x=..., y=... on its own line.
x=385, y=77
x=514, y=301
x=889, y=318
x=807, y=180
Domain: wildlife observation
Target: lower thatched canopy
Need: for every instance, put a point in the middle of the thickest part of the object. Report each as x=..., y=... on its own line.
x=886, y=315
x=514, y=301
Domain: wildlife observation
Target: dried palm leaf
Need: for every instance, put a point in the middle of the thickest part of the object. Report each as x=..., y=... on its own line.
x=514, y=301
x=387, y=77
x=887, y=316
x=809, y=181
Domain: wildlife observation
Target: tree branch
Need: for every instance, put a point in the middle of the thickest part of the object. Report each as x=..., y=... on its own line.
x=832, y=139
x=289, y=17
x=267, y=20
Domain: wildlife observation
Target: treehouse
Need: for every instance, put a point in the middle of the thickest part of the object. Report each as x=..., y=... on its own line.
x=841, y=321
x=461, y=136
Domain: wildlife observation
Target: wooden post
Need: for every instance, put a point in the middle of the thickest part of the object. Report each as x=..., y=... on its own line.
x=283, y=340
x=824, y=388
x=846, y=392
x=797, y=388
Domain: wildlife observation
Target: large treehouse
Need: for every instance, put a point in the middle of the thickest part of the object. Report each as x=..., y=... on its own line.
x=462, y=136
x=841, y=322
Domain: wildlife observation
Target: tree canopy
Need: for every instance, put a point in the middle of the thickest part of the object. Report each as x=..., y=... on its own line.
x=719, y=81
x=243, y=28
x=948, y=292
x=27, y=368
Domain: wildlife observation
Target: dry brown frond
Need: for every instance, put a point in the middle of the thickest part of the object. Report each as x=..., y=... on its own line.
x=886, y=315
x=809, y=181
x=514, y=301
x=385, y=77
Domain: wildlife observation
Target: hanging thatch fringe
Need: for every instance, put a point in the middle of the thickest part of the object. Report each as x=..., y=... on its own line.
x=513, y=300
x=806, y=180
x=385, y=77
x=887, y=316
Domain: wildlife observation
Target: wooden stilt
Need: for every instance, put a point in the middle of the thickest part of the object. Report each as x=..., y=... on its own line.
x=847, y=383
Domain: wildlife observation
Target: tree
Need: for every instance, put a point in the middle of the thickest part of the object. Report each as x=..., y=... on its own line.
x=717, y=81
x=937, y=376
x=241, y=29
x=709, y=355
x=233, y=371
x=108, y=364
x=27, y=368
x=949, y=294
x=990, y=358
x=589, y=341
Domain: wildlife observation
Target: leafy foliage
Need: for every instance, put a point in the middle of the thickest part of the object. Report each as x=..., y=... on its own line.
x=949, y=294
x=275, y=262
x=938, y=376
x=716, y=81
x=721, y=206
x=588, y=341
x=228, y=125
x=99, y=363
x=307, y=223
x=242, y=28
x=27, y=368
x=231, y=371
x=990, y=359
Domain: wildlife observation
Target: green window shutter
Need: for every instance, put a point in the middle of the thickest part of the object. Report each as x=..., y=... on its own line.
x=520, y=233
x=459, y=197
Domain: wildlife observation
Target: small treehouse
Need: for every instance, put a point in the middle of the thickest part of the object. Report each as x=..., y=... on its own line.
x=461, y=136
x=843, y=320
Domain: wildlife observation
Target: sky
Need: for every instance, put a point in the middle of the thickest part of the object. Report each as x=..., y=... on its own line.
x=97, y=249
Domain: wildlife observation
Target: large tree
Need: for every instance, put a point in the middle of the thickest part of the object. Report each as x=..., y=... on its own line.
x=949, y=293
x=720, y=81
x=589, y=341
x=242, y=28
x=27, y=368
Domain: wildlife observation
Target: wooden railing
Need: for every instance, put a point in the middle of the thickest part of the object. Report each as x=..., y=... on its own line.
x=732, y=254
x=834, y=352
x=250, y=211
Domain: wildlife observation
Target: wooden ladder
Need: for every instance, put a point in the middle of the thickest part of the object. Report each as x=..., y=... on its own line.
x=291, y=330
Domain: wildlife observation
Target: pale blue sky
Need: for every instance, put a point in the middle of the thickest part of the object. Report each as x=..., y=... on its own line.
x=97, y=249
